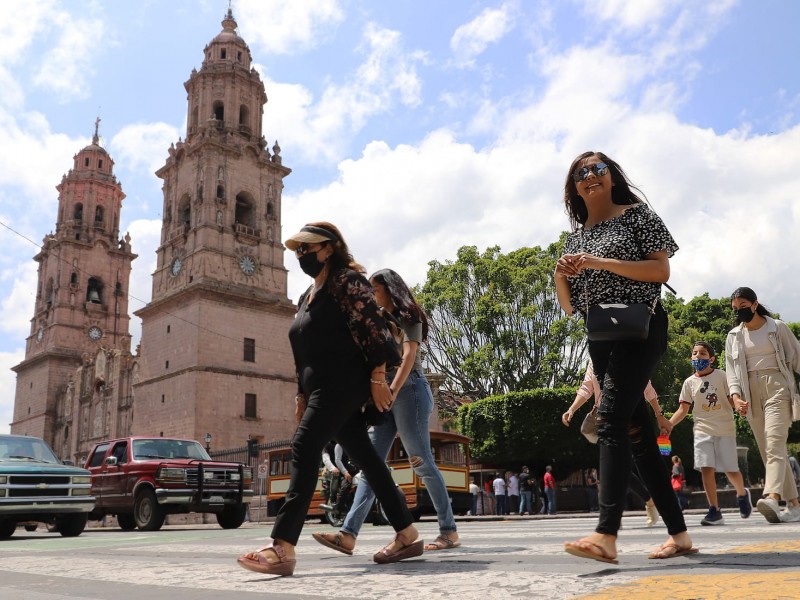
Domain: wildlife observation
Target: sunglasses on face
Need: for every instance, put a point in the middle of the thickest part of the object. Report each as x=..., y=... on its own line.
x=305, y=249
x=581, y=173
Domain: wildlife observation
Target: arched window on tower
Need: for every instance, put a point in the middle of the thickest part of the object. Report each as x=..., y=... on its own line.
x=77, y=214
x=98, y=215
x=73, y=279
x=244, y=119
x=220, y=192
x=219, y=113
x=270, y=211
x=94, y=291
x=48, y=294
x=244, y=210
x=185, y=212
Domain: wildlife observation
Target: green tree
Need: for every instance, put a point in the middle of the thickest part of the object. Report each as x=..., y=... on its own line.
x=496, y=325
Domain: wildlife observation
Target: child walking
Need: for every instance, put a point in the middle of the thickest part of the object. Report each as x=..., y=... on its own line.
x=714, y=431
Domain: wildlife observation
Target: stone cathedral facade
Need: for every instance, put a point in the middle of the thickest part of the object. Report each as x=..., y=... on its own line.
x=214, y=355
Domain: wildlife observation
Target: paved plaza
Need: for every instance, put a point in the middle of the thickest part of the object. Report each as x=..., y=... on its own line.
x=512, y=558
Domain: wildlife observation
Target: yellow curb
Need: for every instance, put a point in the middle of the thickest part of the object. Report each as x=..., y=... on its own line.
x=729, y=586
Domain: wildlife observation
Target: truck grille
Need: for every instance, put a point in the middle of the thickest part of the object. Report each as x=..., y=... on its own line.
x=21, y=486
x=213, y=477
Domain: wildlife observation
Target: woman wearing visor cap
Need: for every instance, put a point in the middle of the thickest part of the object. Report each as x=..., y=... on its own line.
x=341, y=349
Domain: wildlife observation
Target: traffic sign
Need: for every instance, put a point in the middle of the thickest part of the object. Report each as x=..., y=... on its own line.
x=262, y=471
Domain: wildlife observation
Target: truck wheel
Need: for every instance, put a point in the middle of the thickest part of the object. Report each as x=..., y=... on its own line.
x=7, y=529
x=232, y=516
x=126, y=522
x=72, y=525
x=147, y=512
x=31, y=527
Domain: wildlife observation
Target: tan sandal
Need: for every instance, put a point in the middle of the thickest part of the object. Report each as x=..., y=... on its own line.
x=406, y=550
x=256, y=561
x=333, y=541
x=443, y=542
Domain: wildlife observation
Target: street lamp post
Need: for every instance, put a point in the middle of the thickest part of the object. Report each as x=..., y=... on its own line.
x=208, y=442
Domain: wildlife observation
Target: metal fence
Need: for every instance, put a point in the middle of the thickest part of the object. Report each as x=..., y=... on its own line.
x=243, y=455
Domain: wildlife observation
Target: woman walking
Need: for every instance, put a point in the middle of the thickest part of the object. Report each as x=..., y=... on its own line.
x=341, y=351
x=619, y=252
x=409, y=416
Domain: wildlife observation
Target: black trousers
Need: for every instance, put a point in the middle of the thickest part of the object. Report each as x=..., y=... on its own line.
x=625, y=427
x=334, y=415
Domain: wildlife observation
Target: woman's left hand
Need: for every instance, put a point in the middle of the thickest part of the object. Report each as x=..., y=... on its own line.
x=381, y=394
x=665, y=425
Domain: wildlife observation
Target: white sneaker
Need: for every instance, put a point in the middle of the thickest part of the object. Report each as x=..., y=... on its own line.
x=770, y=509
x=790, y=515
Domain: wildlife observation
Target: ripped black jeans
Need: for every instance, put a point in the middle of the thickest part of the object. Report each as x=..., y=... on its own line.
x=625, y=427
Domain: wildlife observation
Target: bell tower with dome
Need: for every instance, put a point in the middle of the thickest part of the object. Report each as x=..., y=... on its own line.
x=215, y=356
x=81, y=302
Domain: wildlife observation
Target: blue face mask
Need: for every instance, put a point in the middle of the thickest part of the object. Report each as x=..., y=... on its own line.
x=700, y=364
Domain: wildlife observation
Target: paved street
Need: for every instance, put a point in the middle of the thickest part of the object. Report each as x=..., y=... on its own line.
x=518, y=557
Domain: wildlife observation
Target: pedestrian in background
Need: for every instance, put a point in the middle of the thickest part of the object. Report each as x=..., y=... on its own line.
x=550, y=489
x=618, y=253
x=474, y=491
x=500, y=497
x=591, y=488
x=512, y=483
x=761, y=356
x=525, y=492
x=714, y=431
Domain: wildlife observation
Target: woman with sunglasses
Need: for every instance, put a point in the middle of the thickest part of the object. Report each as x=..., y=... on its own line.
x=341, y=351
x=761, y=356
x=409, y=416
x=619, y=252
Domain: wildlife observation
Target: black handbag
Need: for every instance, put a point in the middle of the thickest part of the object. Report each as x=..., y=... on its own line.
x=614, y=322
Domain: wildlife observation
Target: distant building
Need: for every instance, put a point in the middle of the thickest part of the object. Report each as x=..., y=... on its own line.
x=214, y=356
x=73, y=385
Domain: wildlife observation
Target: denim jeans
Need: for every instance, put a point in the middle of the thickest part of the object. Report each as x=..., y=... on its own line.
x=525, y=503
x=625, y=427
x=410, y=416
x=551, y=500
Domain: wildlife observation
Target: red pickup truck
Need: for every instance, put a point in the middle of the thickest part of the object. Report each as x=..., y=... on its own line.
x=143, y=479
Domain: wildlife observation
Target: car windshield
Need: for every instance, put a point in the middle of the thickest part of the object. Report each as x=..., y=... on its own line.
x=161, y=448
x=23, y=448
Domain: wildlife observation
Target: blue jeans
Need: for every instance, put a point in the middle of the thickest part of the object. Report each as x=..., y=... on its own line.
x=551, y=500
x=525, y=503
x=409, y=417
x=501, y=504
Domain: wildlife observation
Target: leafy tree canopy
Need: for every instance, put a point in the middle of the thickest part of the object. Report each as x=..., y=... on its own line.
x=496, y=325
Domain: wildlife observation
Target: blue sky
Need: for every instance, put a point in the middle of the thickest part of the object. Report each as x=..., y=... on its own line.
x=419, y=127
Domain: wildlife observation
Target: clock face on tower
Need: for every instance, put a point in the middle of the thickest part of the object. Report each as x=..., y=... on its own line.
x=176, y=266
x=95, y=333
x=247, y=264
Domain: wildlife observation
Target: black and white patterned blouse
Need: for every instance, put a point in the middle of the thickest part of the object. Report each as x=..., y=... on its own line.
x=631, y=236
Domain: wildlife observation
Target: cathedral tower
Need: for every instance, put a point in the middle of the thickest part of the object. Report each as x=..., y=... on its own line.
x=215, y=356
x=82, y=294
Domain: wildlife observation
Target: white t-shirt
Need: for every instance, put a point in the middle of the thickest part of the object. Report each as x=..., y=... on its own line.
x=513, y=486
x=474, y=489
x=712, y=412
x=499, y=487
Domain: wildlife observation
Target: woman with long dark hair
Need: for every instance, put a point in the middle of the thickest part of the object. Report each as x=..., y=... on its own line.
x=341, y=351
x=619, y=252
x=409, y=416
x=761, y=356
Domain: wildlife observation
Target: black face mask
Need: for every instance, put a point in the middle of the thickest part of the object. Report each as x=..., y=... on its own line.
x=745, y=315
x=310, y=264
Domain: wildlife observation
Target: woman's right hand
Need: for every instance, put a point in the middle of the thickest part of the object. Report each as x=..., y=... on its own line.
x=741, y=405
x=566, y=418
x=567, y=265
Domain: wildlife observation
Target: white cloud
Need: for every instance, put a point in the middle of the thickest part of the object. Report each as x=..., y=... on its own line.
x=287, y=26
x=321, y=131
x=143, y=145
x=145, y=239
x=8, y=383
x=17, y=307
x=66, y=68
x=489, y=27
